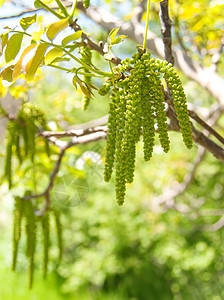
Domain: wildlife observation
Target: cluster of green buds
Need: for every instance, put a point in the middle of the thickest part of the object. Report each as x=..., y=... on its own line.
x=137, y=105
x=24, y=210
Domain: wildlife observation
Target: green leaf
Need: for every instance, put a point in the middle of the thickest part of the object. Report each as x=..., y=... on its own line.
x=55, y=28
x=52, y=54
x=13, y=46
x=34, y=63
x=26, y=22
x=75, y=36
x=59, y=59
x=7, y=74
x=4, y=40
x=118, y=39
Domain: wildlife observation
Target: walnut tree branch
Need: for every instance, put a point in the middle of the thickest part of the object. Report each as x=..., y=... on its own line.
x=166, y=24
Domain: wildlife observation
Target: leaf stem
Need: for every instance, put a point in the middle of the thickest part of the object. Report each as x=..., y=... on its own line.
x=62, y=8
x=50, y=9
x=73, y=9
x=146, y=24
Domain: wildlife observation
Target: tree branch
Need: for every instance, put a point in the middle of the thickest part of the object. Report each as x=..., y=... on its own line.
x=166, y=30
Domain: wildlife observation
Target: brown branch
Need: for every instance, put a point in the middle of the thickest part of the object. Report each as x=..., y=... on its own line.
x=194, y=116
x=92, y=45
x=166, y=24
x=46, y=192
x=72, y=133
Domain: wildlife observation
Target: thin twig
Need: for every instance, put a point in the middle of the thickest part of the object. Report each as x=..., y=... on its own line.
x=72, y=133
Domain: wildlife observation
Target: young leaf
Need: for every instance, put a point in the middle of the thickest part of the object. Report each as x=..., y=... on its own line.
x=52, y=54
x=55, y=28
x=4, y=40
x=26, y=22
x=13, y=46
x=113, y=32
x=34, y=63
x=118, y=39
x=17, y=67
x=75, y=36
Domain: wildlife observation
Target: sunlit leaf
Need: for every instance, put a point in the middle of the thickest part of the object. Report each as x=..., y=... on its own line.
x=13, y=46
x=52, y=54
x=113, y=33
x=4, y=40
x=6, y=74
x=26, y=22
x=17, y=67
x=55, y=28
x=1, y=2
x=75, y=36
x=34, y=63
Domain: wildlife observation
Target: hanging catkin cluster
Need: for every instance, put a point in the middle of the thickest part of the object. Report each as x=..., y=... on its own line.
x=137, y=104
x=86, y=56
x=24, y=211
x=20, y=136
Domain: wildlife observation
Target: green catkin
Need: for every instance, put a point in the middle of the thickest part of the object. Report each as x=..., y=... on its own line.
x=59, y=233
x=180, y=104
x=86, y=3
x=46, y=241
x=148, y=122
x=111, y=137
x=120, y=124
x=9, y=144
x=31, y=238
x=86, y=56
x=18, y=211
x=17, y=145
x=137, y=104
x=133, y=118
